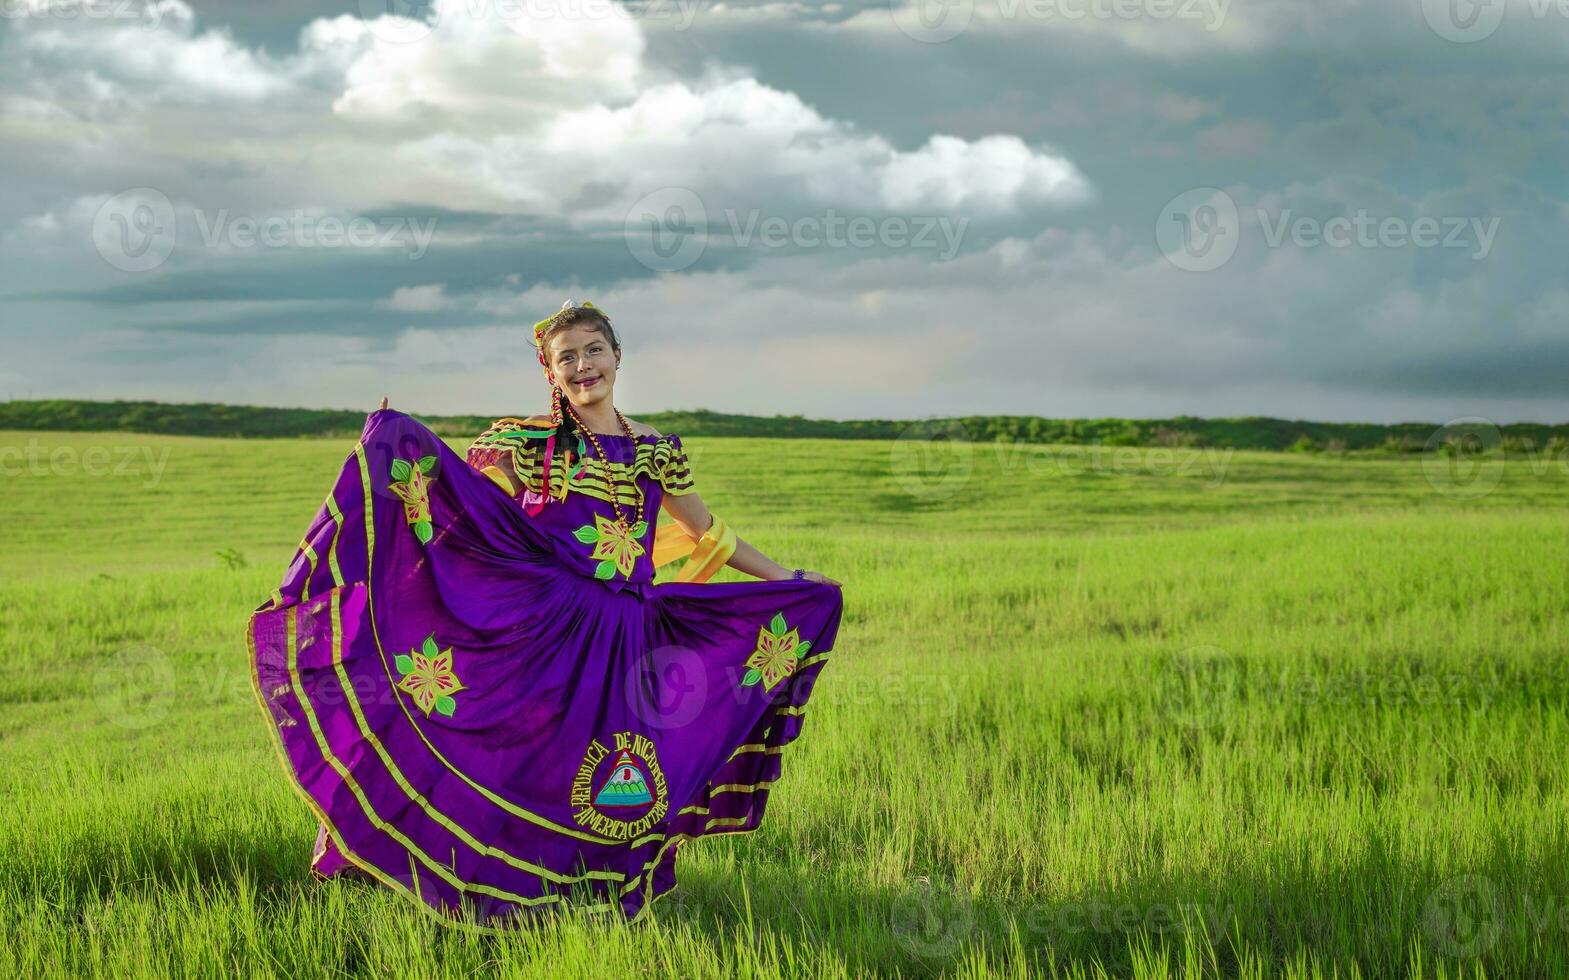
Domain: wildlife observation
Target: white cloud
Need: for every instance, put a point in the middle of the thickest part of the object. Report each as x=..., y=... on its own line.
x=738, y=144
x=485, y=69
x=555, y=115
x=1160, y=28
x=1189, y=29
x=157, y=57
x=417, y=299
x=994, y=173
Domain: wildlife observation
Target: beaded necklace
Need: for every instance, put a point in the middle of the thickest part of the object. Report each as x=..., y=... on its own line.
x=623, y=523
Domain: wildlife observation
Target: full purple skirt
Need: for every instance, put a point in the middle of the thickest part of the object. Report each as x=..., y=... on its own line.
x=493, y=734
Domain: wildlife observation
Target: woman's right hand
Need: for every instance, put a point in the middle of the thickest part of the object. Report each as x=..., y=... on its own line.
x=383, y=404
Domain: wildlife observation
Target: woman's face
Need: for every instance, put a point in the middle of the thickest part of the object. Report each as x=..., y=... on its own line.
x=583, y=364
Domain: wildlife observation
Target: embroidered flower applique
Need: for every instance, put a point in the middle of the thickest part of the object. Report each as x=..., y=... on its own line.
x=778, y=653
x=616, y=549
x=411, y=482
x=428, y=677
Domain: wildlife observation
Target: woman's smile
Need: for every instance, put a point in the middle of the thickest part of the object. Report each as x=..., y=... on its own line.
x=588, y=382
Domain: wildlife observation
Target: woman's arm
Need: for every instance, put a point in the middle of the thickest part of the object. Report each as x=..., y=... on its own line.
x=689, y=511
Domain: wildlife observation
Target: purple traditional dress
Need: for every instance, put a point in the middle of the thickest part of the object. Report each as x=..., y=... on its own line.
x=488, y=704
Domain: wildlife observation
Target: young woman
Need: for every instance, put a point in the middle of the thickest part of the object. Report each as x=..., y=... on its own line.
x=475, y=684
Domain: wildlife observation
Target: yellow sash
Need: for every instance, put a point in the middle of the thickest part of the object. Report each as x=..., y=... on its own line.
x=706, y=556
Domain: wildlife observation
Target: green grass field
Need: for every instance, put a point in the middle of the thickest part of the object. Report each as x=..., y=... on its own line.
x=1147, y=713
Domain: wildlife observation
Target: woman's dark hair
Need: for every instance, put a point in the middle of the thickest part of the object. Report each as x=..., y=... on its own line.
x=574, y=316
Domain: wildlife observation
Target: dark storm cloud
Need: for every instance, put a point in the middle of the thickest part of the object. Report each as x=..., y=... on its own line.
x=1299, y=110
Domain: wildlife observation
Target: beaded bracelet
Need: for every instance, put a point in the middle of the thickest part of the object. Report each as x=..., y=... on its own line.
x=800, y=573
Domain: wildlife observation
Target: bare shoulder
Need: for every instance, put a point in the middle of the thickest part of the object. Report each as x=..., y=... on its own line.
x=642, y=428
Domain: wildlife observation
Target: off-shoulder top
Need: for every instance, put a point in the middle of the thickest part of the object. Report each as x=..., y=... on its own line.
x=579, y=514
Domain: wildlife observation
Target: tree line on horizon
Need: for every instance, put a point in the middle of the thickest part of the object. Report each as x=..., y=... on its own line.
x=246, y=421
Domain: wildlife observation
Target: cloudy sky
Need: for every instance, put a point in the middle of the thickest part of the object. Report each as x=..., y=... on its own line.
x=1332, y=209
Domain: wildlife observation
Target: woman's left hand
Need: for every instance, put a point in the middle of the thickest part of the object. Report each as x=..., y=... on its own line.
x=820, y=577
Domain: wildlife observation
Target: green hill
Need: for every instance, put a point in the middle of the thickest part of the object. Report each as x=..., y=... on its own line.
x=203, y=419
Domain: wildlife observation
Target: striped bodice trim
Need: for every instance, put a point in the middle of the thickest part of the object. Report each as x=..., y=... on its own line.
x=521, y=444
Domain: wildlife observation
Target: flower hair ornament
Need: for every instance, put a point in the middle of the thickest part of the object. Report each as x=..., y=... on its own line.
x=543, y=325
